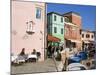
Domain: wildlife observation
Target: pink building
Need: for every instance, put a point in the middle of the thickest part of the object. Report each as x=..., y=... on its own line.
x=28, y=27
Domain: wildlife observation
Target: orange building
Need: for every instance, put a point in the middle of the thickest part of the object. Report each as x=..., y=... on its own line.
x=72, y=30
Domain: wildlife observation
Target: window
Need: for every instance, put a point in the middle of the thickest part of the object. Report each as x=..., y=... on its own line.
x=66, y=30
x=55, y=30
x=30, y=26
x=66, y=20
x=61, y=30
x=73, y=44
x=48, y=29
x=38, y=13
x=61, y=19
x=73, y=28
x=82, y=35
x=80, y=31
x=87, y=36
x=92, y=36
x=54, y=17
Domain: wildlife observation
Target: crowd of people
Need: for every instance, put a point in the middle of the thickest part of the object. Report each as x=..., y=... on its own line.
x=54, y=50
x=90, y=49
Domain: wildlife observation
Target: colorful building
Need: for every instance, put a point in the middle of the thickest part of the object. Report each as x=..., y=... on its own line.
x=72, y=30
x=88, y=37
x=55, y=26
x=28, y=27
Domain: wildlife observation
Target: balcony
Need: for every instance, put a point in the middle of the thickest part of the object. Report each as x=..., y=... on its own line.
x=71, y=37
x=30, y=32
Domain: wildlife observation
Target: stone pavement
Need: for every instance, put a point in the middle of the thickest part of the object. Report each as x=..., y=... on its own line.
x=38, y=67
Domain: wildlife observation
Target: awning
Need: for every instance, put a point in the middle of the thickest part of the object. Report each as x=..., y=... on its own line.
x=77, y=41
x=86, y=42
x=92, y=41
x=53, y=39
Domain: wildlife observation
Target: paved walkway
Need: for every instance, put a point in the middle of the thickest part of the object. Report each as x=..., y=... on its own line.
x=46, y=66
x=39, y=67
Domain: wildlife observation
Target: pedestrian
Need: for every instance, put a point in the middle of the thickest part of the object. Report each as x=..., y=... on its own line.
x=61, y=48
x=75, y=51
x=86, y=48
x=55, y=51
x=49, y=52
x=52, y=50
x=64, y=58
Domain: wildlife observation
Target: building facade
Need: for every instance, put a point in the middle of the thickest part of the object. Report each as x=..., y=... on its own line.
x=88, y=37
x=72, y=30
x=28, y=27
x=55, y=26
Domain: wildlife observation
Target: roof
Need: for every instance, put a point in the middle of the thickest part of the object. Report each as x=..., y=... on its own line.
x=71, y=12
x=54, y=13
x=53, y=39
x=86, y=30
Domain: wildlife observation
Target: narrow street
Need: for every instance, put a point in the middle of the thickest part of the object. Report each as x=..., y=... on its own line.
x=38, y=67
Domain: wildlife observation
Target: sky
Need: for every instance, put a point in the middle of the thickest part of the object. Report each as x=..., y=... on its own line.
x=87, y=12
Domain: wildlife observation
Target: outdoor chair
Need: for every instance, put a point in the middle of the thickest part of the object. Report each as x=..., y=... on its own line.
x=32, y=58
x=38, y=55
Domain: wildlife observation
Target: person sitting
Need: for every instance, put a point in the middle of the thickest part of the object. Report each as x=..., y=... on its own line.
x=34, y=52
x=22, y=52
x=33, y=57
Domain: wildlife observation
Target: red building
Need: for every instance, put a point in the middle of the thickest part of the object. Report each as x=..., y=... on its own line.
x=72, y=30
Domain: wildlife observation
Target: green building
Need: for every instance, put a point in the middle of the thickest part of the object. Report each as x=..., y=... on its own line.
x=55, y=23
